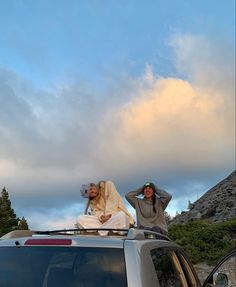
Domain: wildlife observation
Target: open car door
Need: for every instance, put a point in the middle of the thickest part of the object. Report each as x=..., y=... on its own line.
x=224, y=274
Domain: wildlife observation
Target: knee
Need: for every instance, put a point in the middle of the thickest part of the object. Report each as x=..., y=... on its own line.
x=122, y=217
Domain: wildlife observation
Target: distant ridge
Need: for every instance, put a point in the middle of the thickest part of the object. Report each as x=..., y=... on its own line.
x=218, y=204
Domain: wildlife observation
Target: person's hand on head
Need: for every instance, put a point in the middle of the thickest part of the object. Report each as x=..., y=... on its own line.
x=84, y=190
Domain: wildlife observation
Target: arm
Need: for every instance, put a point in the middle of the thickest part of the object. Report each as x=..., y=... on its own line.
x=112, y=198
x=131, y=196
x=164, y=196
x=114, y=202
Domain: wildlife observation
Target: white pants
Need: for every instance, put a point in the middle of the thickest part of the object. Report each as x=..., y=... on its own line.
x=118, y=220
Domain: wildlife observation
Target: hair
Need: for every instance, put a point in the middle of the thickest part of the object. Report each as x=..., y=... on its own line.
x=94, y=199
x=154, y=202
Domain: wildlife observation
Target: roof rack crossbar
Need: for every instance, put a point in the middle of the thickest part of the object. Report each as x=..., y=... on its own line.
x=78, y=230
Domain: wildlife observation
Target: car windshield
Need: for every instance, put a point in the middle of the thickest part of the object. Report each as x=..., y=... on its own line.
x=62, y=266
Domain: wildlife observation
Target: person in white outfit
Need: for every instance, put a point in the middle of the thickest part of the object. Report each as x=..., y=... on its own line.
x=106, y=209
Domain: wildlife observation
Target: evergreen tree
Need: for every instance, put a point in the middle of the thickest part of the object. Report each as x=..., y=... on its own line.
x=8, y=219
x=190, y=205
x=167, y=217
x=22, y=224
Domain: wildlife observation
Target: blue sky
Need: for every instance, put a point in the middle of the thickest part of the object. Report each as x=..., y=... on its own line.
x=122, y=90
x=51, y=41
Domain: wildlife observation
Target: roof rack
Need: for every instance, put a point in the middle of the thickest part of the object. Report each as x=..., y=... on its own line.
x=132, y=233
x=73, y=231
x=77, y=231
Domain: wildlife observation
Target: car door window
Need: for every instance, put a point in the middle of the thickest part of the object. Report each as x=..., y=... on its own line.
x=168, y=268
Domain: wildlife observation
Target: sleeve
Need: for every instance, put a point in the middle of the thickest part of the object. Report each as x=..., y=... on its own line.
x=164, y=197
x=112, y=198
x=114, y=202
x=110, y=189
x=131, y=196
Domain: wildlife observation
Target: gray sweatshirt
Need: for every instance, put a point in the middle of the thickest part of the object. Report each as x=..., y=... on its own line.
x=146, y=217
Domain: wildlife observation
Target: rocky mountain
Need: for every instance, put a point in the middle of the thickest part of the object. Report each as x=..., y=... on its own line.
x=217, y=205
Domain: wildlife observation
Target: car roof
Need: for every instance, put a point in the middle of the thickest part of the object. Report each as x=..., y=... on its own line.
x=79, y=237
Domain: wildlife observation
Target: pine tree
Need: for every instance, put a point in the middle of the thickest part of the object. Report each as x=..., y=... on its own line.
x=190, y=205
x=22, y=224
x=167, y=217
x=8, y=219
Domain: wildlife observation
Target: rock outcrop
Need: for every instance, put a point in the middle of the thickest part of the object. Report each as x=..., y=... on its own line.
x=217, y=205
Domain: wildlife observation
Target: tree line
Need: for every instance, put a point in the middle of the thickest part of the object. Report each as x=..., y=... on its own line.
x=8, y=219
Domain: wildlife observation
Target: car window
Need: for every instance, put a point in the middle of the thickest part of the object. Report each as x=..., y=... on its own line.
x=62, y=266
x=168, y=268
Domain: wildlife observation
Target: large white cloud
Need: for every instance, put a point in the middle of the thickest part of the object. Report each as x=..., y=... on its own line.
x=173, y=123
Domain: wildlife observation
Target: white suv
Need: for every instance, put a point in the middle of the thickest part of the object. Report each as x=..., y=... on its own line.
x=79, y=258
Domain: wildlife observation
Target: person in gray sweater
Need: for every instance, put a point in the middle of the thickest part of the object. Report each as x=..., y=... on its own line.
x=150, y=207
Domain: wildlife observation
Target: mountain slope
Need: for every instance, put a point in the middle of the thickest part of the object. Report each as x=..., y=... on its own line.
x=217, y=205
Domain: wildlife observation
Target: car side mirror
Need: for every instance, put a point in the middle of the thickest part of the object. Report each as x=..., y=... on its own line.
x=220, y=279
